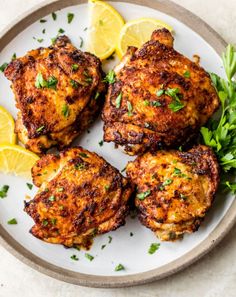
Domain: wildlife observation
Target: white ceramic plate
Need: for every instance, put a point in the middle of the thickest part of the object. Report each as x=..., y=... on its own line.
x=131, y=251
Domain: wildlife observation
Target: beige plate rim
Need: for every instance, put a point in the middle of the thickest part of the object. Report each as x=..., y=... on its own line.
x=214, y=237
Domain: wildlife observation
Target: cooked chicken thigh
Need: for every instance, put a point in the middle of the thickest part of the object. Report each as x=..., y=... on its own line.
x=58, y=91
x=159, y=98
x=174, y=189
x=80, y=195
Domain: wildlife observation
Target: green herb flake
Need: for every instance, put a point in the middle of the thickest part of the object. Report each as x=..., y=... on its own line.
x=101, y=143
x=88, y=78
x=13, y=57
x=103, y=246
x=52, y=198
x=61, y=189
x=3, y=67
x=30, y=186
x=110, y=77
x=45, y=223
x=96, y=95
x=85, y=29
x=74, y=257
x=131, y=234
x=40, y=40
x=83, y=155
x=53, y=40
x=53, y=221
x=43, y=31
x=54, y=16
x=153, y=248
x=43, y=21
x=52, y=82
x=107, y=187
x=70, y=17
x=176, y=172
x=167, y=182
x=79, y=166
x=81, y=42
x=119, y=267
x=118, y=100
x=65, y=110
x=160, y=92
x=143, y=195
x=130, y=109
x=109, y=239
x=156, y=103
x=176, y=106
x=74, y=84
x=146, y=102
x=187, y=74
x=3, y=191
x=61, y=31
x=184, y=197
x=40, y=129
x=12, y=222
x=89, y=257
x=74, y=67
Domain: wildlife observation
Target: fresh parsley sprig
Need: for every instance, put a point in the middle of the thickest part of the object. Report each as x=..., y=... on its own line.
x=220, y=133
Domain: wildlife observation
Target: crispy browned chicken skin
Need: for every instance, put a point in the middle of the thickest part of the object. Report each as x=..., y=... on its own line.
x=80, y=195
x=159, y=99
x=175, y=189
x=58, y=91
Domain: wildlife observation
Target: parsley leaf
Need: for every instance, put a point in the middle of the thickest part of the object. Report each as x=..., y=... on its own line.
x=65, y=110
x=187, y=74
x=12, y=222
x=74, y=257
x=143, y=195
x=130, y=109
x=54, y=16
x=3, y=67
x=89, y=257
x=3, y=191
x=30, y=186
x=110, y=77
x=118, y=100
x=70, y=17
x=119, y=267
x=153, y=248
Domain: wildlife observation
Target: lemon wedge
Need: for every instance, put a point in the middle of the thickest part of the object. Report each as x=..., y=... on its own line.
x=137, y=32
x=7, y=126
x=104, y=30
x=16, y=160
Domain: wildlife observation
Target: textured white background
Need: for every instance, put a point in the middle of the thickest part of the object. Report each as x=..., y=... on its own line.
x=213, y=276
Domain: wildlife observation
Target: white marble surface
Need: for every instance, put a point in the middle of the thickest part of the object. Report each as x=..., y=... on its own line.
x=213, y=276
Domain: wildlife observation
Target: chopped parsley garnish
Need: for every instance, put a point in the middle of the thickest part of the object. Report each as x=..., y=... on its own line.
x=156, y=103
x=96, y=95
x=88, y=78
x=85, y=29
x=79, y=166
x=146, y=103
x=184, y=197
x=54, y=16
x=30, y=186
x=89, y=257
x=153, y=248
x=74, y=67
x=110, y=77
x=61, y=189
x=40, y=129
x=70, y=17
x=52, y=198
x=53, y=221
x=12, y=222
x=160, y=92
x=13, y=57
x=43, y=31
x=3, y=67
x=53, y=40
x=61, y=31
x=81, y=42
x=118, y=100
x=109, y=239
x=107, y=187
x=74, y=257
x=177, y=172
x=3, y=191
x=65, y=110
x=131, y=234
x=187, y=74
x=83, y=155
x=45, y=223
x=130, y=109
x=43, y=21
x=143, y=195
x=119, y=267
x=103, y=246
x=40, y=40
x=74, y=84
x=101, y=143
x=40, y=82
x=167, y=182
x=176, y=104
